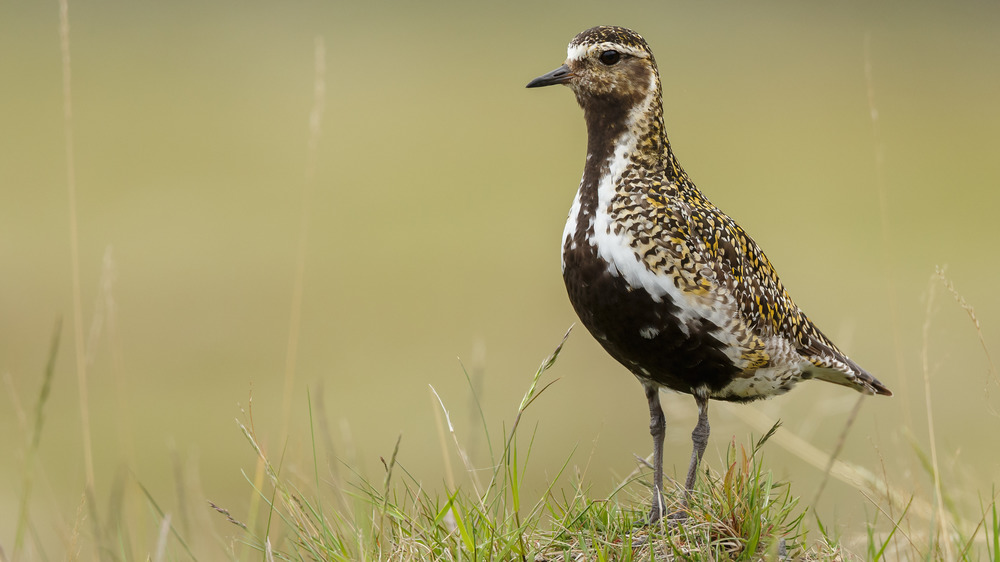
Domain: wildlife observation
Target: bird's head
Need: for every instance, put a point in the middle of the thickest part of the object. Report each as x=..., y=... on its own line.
x=606, y=66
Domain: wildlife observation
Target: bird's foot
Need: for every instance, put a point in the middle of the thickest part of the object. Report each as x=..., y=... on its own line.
x=656, y=513
x=653, y=517
x=671, y=521
x=678, y=517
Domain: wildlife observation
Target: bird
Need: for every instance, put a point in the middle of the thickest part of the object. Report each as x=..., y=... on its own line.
x=668, y=284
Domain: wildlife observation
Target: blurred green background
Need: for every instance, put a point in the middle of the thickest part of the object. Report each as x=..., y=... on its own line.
x=440, y=193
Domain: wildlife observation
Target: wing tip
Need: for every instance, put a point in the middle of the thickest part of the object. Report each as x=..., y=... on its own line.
x=849, y=373
x=878, y=388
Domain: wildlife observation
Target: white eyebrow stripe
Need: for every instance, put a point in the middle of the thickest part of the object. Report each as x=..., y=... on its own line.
x=580, y=51
x=576, y=52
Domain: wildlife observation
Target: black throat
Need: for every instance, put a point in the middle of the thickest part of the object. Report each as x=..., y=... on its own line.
x=606, y=125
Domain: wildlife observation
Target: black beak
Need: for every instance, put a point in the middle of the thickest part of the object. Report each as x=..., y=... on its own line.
x=560, y=75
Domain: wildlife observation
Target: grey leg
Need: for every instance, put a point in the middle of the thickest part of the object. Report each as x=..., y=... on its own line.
x=657, y=428
x=699, y=437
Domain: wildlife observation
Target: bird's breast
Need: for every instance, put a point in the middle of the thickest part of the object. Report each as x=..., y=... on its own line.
x=640, y=317
x=657, y=308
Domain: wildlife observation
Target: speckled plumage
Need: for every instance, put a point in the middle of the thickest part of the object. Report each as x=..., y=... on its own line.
x=670, y=285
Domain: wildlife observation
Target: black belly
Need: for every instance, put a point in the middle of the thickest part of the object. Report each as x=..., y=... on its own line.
x=680, y=358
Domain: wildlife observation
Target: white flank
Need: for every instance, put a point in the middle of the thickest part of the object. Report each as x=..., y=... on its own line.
x=765, y=382
x=785, y=372
x=570, y=230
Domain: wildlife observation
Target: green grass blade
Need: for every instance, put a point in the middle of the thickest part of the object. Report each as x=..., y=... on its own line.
x=36, y=438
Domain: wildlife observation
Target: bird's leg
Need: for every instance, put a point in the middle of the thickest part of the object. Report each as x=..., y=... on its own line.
x=699, y=438
x=657, y=428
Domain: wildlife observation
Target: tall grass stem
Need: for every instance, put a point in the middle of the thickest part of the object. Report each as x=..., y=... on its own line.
x=74, y=244
x=36, y=437
x=298, y=284
x=939, y=520
x=888, y=252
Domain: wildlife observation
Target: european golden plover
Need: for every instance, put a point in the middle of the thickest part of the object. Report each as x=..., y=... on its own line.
x=670, y=285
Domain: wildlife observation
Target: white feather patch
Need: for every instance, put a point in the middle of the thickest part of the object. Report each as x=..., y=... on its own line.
x=649, y=332
x=570, y=230
x=580, y=52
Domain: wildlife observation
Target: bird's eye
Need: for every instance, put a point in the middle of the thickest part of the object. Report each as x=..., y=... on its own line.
x=609, y=58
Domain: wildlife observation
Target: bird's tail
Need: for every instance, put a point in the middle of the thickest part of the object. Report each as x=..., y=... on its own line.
x=853, y=376
x=832, y=365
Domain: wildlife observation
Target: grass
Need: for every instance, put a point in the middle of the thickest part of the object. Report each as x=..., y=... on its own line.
x=483, y=510
x=743, y=514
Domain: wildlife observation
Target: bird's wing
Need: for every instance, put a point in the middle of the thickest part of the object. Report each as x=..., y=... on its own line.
x=766, y=308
